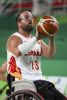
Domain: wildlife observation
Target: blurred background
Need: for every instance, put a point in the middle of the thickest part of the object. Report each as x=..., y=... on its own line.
x=54, y=69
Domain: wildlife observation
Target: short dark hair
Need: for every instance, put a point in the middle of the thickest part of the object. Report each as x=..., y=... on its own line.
x=18, y=17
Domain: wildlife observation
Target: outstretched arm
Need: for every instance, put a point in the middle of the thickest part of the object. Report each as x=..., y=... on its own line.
x=3, y=70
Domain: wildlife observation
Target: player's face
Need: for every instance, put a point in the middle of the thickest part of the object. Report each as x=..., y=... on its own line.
x=26, y=22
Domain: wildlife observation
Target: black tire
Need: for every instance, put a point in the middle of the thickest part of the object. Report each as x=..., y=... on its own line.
x=24, y=95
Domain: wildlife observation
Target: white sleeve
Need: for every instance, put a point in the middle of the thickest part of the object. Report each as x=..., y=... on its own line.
x=25, y=47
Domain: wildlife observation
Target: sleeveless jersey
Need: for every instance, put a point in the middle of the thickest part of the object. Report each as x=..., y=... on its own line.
x=30, y=63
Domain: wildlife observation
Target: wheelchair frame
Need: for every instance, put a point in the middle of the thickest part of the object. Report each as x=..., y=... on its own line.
x=24, y=90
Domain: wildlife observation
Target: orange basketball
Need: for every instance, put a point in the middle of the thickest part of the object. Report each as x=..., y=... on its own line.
x=48, y=25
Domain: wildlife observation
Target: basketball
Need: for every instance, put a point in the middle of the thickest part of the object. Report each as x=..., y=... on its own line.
x=48, y=25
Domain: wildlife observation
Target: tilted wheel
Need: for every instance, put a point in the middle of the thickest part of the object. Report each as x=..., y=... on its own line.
x=24, y=95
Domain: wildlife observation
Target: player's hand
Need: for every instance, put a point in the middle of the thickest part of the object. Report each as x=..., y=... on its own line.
x=39, y=35
x=49, y=36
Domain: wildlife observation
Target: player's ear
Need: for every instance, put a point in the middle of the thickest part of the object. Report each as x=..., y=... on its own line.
x=18, y=23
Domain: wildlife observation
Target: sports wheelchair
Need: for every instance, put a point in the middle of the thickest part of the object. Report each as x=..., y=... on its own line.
x=24, y=90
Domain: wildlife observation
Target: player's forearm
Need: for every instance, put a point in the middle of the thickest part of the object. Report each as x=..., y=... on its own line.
x=25, y=47
x=51, y=47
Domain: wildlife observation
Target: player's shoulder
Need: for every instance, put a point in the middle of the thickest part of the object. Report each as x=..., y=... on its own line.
x=14, y=39
x=14, y=36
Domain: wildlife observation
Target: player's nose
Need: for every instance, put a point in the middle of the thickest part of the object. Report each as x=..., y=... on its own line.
x=30, y=21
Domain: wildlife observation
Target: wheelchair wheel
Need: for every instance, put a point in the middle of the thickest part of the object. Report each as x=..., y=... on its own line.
x=24, y=95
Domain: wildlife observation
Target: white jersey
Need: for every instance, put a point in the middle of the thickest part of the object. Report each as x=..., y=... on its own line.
x=29, y=64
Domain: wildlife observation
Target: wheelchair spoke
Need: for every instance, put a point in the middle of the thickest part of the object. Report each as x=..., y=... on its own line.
x=24, y=95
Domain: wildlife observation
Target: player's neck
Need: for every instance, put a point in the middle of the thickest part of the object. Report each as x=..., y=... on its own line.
x=24, y=33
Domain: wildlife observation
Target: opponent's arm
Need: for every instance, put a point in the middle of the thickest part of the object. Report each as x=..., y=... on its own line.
x=3, y=70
